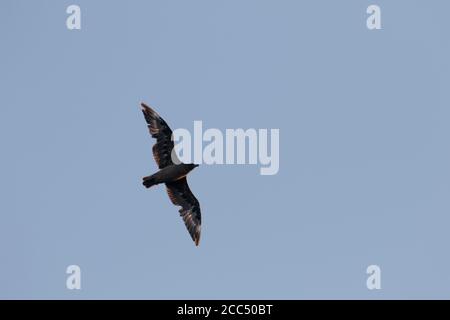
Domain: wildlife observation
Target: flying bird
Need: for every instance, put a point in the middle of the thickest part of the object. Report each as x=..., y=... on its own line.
x=173, y=175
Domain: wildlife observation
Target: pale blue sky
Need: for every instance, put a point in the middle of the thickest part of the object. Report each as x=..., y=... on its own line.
x=364, y=148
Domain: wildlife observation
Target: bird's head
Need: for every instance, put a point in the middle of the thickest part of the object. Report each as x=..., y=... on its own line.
x=191, y=166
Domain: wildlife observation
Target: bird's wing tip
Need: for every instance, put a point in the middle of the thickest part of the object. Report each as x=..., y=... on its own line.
x=197, y=237
x=147, y=109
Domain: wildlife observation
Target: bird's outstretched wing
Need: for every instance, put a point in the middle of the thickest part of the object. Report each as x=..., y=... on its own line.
x=181, y=195
x=159, y=129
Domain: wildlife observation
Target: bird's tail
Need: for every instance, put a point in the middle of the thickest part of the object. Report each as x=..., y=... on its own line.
x=149, y=181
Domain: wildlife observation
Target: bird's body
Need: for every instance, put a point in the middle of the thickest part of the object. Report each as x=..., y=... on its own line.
x=172, y=174
x=169, y=174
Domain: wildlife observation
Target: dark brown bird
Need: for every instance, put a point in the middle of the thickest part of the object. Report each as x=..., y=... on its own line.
x=172, y=174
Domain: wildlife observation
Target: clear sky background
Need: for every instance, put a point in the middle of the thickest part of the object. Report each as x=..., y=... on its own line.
x=364, y=148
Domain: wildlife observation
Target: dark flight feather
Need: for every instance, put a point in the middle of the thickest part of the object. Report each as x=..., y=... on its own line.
x=180, y=195
x=159, y=129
